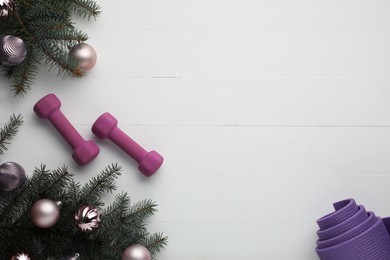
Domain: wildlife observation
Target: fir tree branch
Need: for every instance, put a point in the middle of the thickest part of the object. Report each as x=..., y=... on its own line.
x=25, y=73
x=14, y=205
x=53, y=24
x=57, y=58
x=24, y=25
x=86, y=8
x=104, y=182
x=120, y=206
x=74, y=190
x=9, y=130
x=67, y=37
x=55, y=182
x=155, y=242
x=142, y=210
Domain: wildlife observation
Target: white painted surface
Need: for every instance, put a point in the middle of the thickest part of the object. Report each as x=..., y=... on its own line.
x=267, y=111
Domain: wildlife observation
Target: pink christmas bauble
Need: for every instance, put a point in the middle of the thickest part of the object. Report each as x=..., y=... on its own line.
x=45, y=213
x=136, y=252
x=85, y=55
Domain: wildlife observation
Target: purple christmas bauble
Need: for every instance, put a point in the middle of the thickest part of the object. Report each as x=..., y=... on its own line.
x=12, y=176
x=12, y=50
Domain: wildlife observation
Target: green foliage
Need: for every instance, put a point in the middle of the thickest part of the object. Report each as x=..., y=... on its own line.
x=123, y=223
x=46, y=28
x=9, y=130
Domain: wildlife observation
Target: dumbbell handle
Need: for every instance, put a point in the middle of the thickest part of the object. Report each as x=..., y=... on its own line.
x=127, y=144
x=66, y=129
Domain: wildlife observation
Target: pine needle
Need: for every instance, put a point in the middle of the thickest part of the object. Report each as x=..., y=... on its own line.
x=9, y=130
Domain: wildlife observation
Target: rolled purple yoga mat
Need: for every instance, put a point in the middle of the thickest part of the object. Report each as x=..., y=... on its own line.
x=352, y=233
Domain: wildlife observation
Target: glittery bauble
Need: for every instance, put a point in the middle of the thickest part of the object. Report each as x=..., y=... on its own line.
x=136, y=252
x=12, y=50
x=85, y=55
x=6, y=6
x=12, y=176
x=45, y=213
x=21, y=256
x=88, y=218
x=73, y=257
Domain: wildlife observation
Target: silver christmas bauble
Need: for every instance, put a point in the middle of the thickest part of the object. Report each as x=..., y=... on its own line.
x=6, y=6
x=136, y=252
x=12, y=176
x=21, y=256
x=88, y=218
x=85, y=55
x=45, y=213
x=13, y=51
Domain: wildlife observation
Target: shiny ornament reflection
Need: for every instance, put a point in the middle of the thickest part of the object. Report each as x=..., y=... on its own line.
x=88, y=218
x=13, y=51
x=85, y=55
x=12, y=176
x=136, y=252
x=45, y=213
x=6, y=6
x=21, y=256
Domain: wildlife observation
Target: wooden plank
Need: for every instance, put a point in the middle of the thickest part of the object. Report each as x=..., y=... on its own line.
x=221, y=151
x=215, y=102
x=246, y=15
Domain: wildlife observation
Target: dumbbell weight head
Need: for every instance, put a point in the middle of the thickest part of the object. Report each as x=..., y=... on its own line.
x=151, y=163
x=86, y=152
x=104, y=125
x=47, y=105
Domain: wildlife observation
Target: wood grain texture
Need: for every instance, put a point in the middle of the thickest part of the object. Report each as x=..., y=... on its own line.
x=266, y=111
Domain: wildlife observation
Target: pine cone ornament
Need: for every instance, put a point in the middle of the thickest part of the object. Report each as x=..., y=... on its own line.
x=88, y=218
x=6, y=6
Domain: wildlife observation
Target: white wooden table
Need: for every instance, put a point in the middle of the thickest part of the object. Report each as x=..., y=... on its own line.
x=267, y=111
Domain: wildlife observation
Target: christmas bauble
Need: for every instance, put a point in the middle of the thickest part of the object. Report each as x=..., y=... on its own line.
x=12, y=176
x=21, y=256
x=136, y=252
x=88, y=218
x=85, y=55
x=12, y=50
x=45, y=213
x=6, y=6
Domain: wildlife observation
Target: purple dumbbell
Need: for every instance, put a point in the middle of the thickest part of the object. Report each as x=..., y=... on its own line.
x=49, y=108
x=106, y=127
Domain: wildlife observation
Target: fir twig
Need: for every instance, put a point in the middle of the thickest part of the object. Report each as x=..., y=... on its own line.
x=156, y=242
x=104, y=182
x=142, y=210
x=86, y=8
x=9, y=130
x=24, y=74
